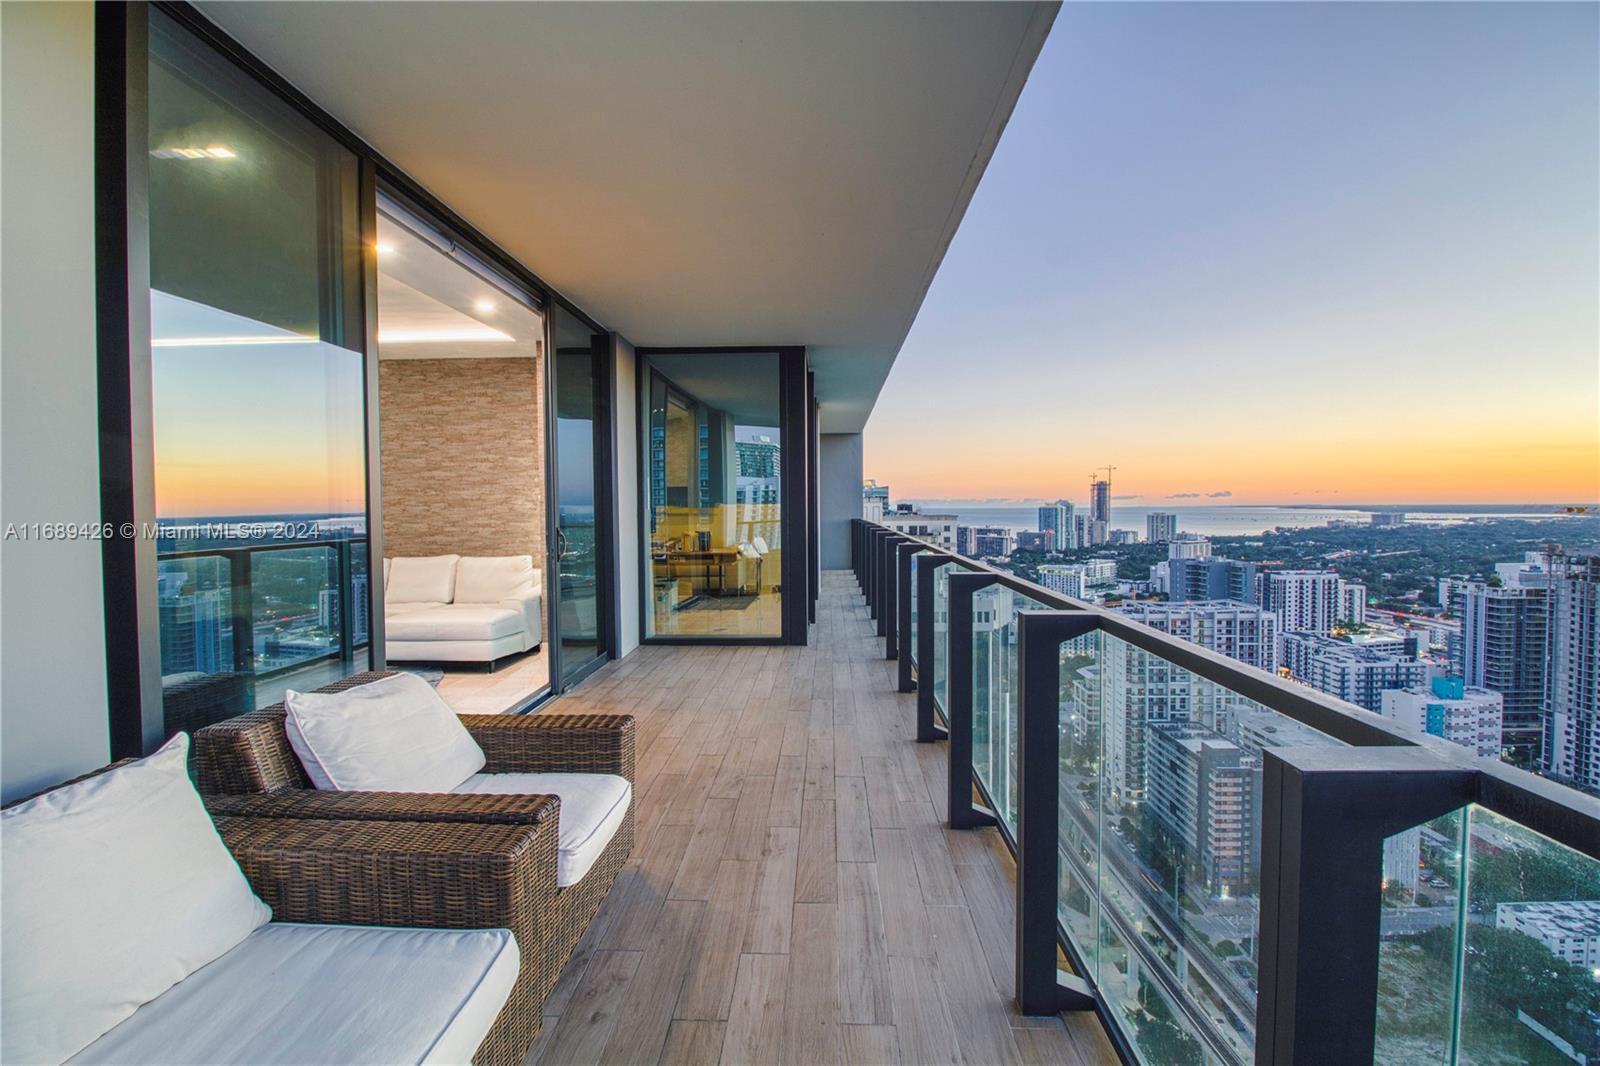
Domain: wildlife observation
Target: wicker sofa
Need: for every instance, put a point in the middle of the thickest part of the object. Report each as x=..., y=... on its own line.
x=246, y=769
x=347, y=881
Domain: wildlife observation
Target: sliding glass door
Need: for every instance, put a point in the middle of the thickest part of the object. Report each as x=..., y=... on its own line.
x=579, y=561
x=257, y=390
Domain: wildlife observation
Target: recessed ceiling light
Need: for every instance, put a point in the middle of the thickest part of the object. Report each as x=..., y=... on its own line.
x=484, y=306
x=385, y=248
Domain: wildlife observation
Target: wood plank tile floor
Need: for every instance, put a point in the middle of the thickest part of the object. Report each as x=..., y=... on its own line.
x=793, y=896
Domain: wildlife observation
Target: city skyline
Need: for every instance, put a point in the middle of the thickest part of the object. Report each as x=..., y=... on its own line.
x=1393, y=303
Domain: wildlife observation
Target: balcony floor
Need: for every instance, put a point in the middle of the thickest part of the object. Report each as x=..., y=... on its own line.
x=793, y=895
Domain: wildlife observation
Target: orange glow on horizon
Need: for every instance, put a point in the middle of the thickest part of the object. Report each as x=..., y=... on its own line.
x=1545, y=468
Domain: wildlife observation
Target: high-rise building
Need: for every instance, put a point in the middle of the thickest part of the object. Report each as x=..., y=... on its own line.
x=1503, y=648
x=965, y=544
x=1160, y=526
x=1228, y=627
x=1352, y=602
x=1305, y=601
x=1450, y=589
x=1035, y=540
x=874, y=500
x=1204, y=790
x=1388, y=519
x=1100, y=501
x=1189, y=546
x=1081, y=580
x=1066, y=578
x=1212, y=578
x=1448, y=708
x=1532, y=572
x=937, y=529
x=1355, y=674
x=1572, y=681
x=1056, y=519
x=992, y=542
x=1123, y=536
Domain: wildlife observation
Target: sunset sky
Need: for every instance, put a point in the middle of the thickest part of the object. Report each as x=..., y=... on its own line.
x=1296, y=253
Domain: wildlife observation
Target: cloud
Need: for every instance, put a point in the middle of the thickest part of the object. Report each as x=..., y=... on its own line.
x=1183, y=495
x=1219, y=495
x=1130, y=496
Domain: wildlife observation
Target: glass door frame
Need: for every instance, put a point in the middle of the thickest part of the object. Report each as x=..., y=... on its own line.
x=795, y=430
x=607, y=633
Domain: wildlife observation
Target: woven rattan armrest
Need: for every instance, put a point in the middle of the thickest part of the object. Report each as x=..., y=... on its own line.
x=480, y=808
x=430, y=875
x=555, y=743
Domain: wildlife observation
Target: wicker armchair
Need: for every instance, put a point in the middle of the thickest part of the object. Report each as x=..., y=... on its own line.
x=498, y=873
x=246, y=769
x=432, y=876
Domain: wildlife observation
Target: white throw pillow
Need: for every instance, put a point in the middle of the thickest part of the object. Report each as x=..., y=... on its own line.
x=493, y=579
x=393, y=735
x=426, y=580
x=115, y=889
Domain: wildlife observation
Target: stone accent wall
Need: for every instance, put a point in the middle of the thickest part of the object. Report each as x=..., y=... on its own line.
x=463, y=457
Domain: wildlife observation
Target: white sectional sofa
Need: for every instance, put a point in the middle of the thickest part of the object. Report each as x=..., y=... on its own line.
x=132, y=936
x=452, y=608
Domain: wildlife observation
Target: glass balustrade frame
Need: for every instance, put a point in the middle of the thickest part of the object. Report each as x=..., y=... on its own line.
x=1324, y=814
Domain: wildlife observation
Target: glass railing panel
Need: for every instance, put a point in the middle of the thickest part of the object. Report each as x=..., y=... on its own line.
x=295, y=593
x=1161, y=769
x=1078, y=897
x=1419, y=954
x=996, y=697
x=941, y=644
x=910, y=643
x=207, y=671
x=1530, y=983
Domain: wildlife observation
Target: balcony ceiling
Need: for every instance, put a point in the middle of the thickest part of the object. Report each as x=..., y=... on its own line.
x=689, y=174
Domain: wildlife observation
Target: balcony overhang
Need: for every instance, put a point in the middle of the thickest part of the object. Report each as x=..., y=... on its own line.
x=689, y=174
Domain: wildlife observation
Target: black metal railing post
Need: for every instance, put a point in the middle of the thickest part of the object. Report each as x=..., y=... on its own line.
x=1042, y=987
x=906, y=592
x=242, y=608
x=874, y=535
x=858, y=529
x=964, y=814
x=884, y=577
x=928, y=729
x=895, y=643
x=346, y=614
x=1325, y=814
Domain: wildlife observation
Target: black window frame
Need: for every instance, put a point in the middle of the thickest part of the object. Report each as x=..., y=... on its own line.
x=795, y=428
x=122, y=280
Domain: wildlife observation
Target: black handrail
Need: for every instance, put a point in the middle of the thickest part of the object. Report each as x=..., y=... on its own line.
x=1547, y=807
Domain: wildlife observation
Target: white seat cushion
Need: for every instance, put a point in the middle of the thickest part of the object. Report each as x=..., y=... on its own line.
x=295, y=993
x=115, y=889
x=456, y=622
x=490, y=580
x=392, y=735
x=592, y=808
x=430, y=579
x=390, y=609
